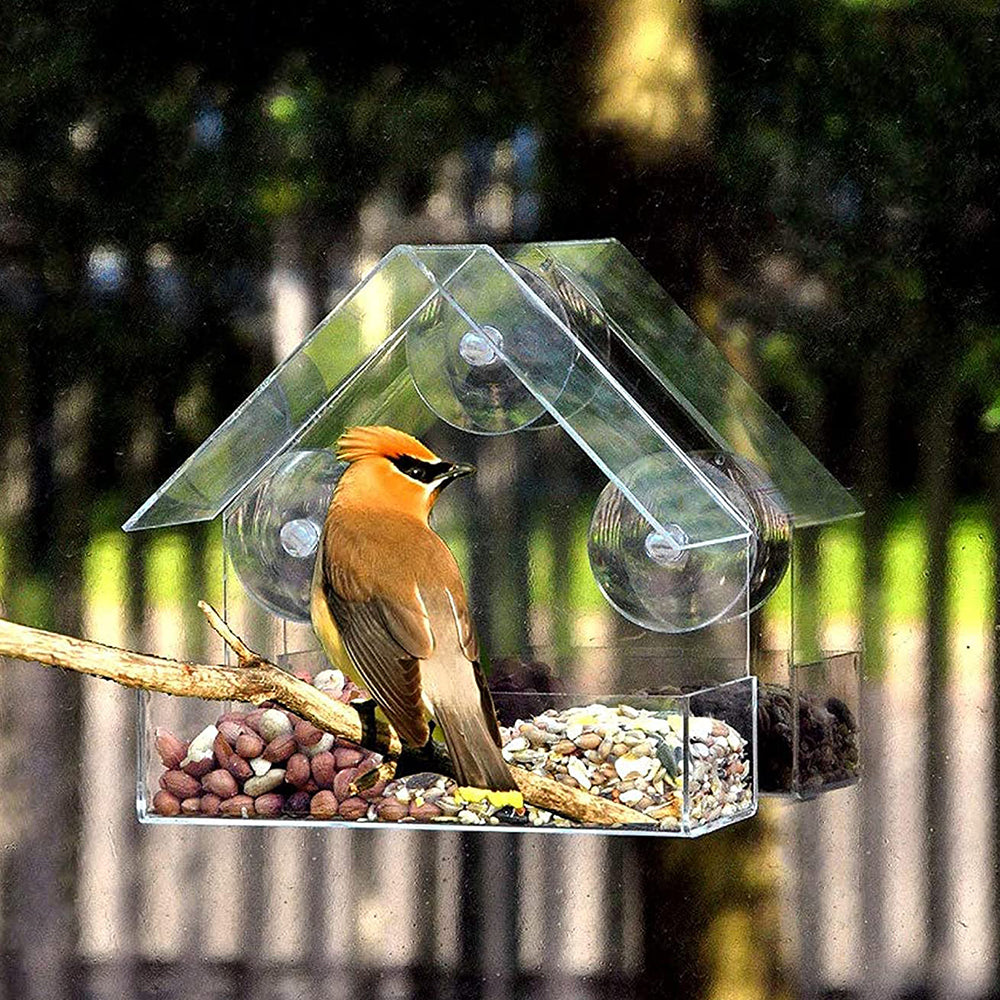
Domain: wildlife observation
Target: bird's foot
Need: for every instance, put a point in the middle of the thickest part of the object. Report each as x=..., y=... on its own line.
x=429, y=757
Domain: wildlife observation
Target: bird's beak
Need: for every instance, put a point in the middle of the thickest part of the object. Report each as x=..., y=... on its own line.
x=457, y=471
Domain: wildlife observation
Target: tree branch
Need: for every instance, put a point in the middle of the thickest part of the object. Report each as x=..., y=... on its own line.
x=257, y=680
x=246, y=656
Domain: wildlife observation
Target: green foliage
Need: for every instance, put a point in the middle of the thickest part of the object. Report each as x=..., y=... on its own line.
x=980, y=370
x=856, y=140
x=847, y=190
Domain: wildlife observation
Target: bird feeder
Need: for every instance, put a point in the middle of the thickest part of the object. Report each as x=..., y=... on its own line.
x=643, y=543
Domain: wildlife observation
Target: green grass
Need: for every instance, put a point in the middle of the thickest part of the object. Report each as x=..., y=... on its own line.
x=778, y=607
x=30, y=602
x=970, y=576
x=26, y=599
x=105, y=568
x=168, y=570
x=583, y=590
x=577, y=589
x=171, y=571
x=902, y=596
x=212, y=566
x=904, y=586
x=541, y=568
x=840, y=569
x=970, y=555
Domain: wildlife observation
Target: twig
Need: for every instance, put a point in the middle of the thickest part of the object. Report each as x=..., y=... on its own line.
x=246, y=656
x=257, y=680
x=546, y=793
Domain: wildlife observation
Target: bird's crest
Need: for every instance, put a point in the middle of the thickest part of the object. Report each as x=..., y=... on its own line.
x=385, y=442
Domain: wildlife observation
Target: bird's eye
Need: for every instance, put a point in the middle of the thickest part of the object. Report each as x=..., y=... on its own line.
x=414, y=468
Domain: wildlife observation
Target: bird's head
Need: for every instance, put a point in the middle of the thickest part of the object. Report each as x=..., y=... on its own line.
x=389, y=468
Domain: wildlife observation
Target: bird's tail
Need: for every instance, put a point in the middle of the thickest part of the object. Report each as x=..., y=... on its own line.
x=464, y=711
x=477, y=759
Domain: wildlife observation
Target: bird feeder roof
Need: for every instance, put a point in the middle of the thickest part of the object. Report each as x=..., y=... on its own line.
x=609, y=356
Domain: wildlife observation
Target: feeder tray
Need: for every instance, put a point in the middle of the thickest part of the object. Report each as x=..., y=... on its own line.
x=642, y=541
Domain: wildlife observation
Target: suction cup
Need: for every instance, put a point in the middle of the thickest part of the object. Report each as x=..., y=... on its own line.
x=768, y=514
x=589, y=325
x=659, y=579
x=460, y=371
x=273, y=535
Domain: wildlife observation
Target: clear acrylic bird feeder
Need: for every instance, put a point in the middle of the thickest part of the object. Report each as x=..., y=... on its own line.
x=642, y=539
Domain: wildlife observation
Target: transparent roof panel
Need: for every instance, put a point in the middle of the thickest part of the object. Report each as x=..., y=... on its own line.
x=489, y=347
x=571, y=384
x=327, y=363
x=684, y=364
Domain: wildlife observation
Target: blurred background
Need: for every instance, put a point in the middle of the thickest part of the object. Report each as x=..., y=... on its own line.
x=185, y=189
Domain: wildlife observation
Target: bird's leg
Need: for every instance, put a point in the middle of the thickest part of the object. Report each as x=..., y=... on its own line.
x=430, y=757
x=369, y=727
x=433, y=757
x=412, y=760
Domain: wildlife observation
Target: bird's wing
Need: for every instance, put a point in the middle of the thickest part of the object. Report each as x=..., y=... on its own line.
x=459, y=698
x=385, y=637
x=470, y=646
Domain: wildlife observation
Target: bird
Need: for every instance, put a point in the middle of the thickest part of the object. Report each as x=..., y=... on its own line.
x=389, y=606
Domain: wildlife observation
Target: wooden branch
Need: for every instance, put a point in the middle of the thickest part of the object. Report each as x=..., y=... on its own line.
x=246, y=656
x=256, y=683
x=547, y=793
x=257, y=680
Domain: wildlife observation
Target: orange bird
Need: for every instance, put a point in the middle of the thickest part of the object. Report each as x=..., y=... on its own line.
x=389, y=605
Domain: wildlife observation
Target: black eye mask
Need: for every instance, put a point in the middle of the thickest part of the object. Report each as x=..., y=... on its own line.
x=422, y=472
